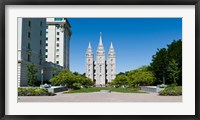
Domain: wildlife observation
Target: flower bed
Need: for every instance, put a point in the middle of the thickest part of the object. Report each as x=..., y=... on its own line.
x=171, y=91
x=33, y=92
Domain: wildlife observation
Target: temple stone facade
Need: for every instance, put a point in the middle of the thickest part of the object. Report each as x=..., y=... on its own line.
x=101, y=71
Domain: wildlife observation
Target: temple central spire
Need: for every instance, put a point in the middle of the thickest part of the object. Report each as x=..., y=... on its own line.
x=89, y=46
x=100, y=40
x=100, y=48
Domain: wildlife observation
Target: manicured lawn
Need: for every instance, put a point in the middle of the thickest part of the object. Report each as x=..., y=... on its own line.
x=123, y=90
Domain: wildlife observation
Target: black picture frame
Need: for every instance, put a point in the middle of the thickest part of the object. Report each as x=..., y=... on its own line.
x=100, y=2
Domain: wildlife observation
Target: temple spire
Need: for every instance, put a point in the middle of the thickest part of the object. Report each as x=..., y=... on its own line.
x=111, y=50
x=89, y=46
x=111, y=45
x=89, y=50
x=100, y=40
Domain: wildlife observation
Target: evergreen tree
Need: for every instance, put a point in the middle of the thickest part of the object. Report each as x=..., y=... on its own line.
x=161, y=60
x=173, y=71
x=32, y=74
x=159, y=65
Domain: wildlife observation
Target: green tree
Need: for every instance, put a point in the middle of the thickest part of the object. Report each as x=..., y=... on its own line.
x=32, y=74
x=161, y=60
x=120, y=80
x=159, y=65
x=70, y=80
x=141, y=76
x=174, y=51
x=65, y=78
x=173, y=71
x=56, y=71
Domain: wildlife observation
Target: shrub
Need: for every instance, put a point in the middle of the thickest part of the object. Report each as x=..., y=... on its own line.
x=22, y=92
x=76, y=86
x=171, y=90
x=33, y=92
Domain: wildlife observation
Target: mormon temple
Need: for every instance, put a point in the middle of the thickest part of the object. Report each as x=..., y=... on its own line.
x=100, y=71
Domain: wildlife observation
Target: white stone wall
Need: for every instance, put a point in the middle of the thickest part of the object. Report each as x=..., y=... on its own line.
x=23, y=73
x=111, y=68
x=89, y=67
x=90, y=63
x=100, y=70
x=111, y=64
x=51, y=44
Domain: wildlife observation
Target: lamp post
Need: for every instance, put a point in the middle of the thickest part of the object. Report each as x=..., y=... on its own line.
x=41, y=76
x=164, y=76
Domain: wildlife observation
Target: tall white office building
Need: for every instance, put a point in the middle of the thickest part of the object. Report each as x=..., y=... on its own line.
x=58, y=35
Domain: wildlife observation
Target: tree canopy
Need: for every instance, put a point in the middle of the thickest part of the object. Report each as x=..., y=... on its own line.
x=71, y=80
x=162, y=61
x=134, y=78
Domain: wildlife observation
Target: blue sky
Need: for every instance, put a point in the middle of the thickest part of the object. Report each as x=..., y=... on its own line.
x=135, y=40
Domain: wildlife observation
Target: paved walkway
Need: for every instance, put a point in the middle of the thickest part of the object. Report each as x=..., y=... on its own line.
x=101, y=97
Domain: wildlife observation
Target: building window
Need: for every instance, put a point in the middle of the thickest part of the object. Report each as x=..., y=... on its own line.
x=57, y=44
x=46, y=38
x=57, y=26
x=57, y=56
x=40, y=23
x=46, y=50
x=57, y=39
x=46, y=44
x=58, y=33
x=29, y=46
x=29, y=34
x=46, y=56
x=40, y=33
x=40, y=62
x=40, y=42
x=111, y=70
x=58, y=19
x=57, y=62
x=29, y=23
x=57, y=50
x=40, y=51
x=29, y=58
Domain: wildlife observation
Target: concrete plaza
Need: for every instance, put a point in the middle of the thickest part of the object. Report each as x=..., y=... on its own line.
x=102, y=97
